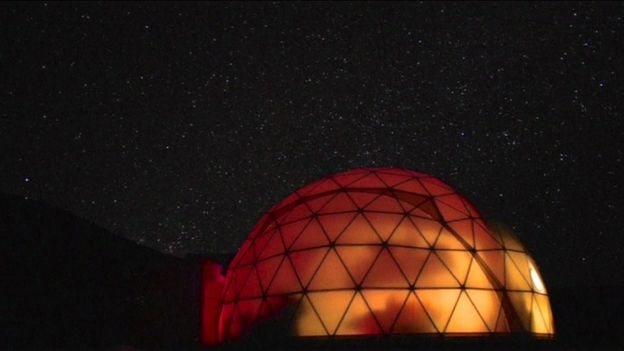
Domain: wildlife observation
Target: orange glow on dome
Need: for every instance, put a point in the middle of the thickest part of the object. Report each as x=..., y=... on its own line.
x=383, y=251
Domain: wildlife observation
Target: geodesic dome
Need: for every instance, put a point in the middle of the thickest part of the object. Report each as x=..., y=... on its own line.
x=383, y=251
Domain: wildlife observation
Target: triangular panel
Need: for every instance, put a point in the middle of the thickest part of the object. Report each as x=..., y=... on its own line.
x=315, y=204
x=522, y=305
x=291, y=232
x=358, y=232
x=331, y=274
x=488, y=304
x=471, y=209
x=522, y=264
x=358, y=320
x=538, y=325
x=435, y=187
x=406, y=234
x=261, y=241
x=307, y=320
x=413, y=319
x=410, y=202
x=510, y=240
x=385, y=273
x=384, y=223
x=247, y=253
x=502, y=325
x=439, y=304
x=515, y=280
x=325, y=185
x=427, y=209
x=477, y=278
x=358, y=259
x=428, y=228
x=495, y=261
x=483, y=239
x=458, y=262
x=370, y=181
x=544, y=307
x=297, y=213
x=446, y=240
x=242, y=276
x=435, y=275
x=346, y=179
x=335, y=224
x=252, y=287
x=331, y=306
x=289, y=201
x=340, y=203
x=410, y=261
x=267, y=269
x=464, y=230
x=285, y=281
x=273, y=247
x=385, y=305
x=393, y=179
x=385, y=203
x=412, y=186
x=465, y=318
x=307, y=262
x=453, y=201
x=312, y=236
x=362, y=199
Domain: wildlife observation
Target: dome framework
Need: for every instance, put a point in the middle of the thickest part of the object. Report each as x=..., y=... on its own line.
x=378, y=252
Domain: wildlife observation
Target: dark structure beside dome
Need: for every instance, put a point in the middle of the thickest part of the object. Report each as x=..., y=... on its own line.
x=72, y=284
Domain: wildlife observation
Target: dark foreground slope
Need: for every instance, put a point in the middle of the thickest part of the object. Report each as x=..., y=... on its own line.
x=67, y=283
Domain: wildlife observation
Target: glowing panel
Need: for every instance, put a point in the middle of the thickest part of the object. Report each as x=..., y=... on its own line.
x=413, y=319
x=384, y=273
x=465, y=318
x=439, y=304
x=331, y=306
x=358, y=320
x=307, y=321
x=487, y=304
x=385, y=305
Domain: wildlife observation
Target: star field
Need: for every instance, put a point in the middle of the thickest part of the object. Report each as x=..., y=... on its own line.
x=179, y=125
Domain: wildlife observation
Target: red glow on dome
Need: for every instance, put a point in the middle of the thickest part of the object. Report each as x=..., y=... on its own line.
x=382, y=251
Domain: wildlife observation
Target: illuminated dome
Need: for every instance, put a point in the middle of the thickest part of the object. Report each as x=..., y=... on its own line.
x=383, y=251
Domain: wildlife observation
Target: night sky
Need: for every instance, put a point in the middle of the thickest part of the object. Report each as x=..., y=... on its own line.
x=179, y=125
